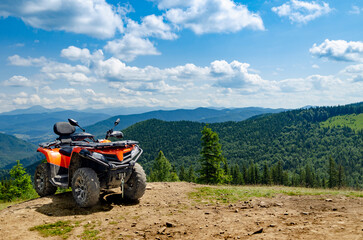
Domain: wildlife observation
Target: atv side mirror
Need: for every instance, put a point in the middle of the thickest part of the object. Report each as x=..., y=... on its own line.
x=73, y=122
x=117, y=122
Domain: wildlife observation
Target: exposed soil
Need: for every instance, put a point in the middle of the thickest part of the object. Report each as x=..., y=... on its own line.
x=166, y=212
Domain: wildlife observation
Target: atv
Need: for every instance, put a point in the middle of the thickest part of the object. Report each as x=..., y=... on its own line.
x=89, y=166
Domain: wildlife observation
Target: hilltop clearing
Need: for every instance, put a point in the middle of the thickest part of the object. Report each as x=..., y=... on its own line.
x=190, y=211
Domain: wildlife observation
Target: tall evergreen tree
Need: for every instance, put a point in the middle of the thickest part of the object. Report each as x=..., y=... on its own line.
x=340, y=177
x=191, y=174
x=182, y=174
x=211, y=158
x=332, y=173
x=162, y=170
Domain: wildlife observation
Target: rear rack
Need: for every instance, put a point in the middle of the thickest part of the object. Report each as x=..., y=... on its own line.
x=104, y=145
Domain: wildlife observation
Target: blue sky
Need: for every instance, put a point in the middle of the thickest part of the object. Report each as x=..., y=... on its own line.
x=77, y=54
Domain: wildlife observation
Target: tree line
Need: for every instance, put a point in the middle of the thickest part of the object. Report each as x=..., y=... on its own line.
x=215, y=170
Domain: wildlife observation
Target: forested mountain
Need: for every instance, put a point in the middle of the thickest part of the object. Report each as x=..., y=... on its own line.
x=12, y=149
x=197, y=115
x=297, y=138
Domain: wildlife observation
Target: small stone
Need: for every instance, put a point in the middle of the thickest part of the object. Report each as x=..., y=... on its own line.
x=328, y=200
x=258, y=231
x=279, y=204
x=133, y=224
x=207, y=213
x=305, y=213
x=148, y=188
x=272, y=225
x=335, y=209
x=236, y=211
x=286, y=213
x=161, y=230
x=169, y=224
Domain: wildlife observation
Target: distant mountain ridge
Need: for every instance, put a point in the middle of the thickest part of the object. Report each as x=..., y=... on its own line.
x=206, y=115
x=38, y=127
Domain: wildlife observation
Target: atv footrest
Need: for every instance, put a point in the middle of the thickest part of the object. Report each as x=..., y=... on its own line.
x=60, y=180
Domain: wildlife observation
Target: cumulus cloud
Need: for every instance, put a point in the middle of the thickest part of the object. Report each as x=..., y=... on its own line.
x=339, y=50
x=129, y=47
x=16, y=60
x=210, y=16
x=81, y=54
x=95, y=18
x=136, y=41
x=302, y=11
x=18, y=81
x=61, y=91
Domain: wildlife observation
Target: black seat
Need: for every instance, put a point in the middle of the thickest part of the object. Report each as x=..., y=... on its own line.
x=64, y=130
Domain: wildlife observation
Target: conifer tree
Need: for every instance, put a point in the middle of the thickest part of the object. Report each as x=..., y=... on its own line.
x=332, y=173
x=211, y=158
x=191, y=174
x=340, y=177
x=162, y=170
x=182, y=174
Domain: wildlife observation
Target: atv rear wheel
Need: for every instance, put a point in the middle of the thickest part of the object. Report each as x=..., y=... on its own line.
x=42, y=184
x=85, y=187
x=136, y=185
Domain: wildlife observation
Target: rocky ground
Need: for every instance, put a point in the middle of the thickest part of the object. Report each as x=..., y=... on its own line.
x=166, y=212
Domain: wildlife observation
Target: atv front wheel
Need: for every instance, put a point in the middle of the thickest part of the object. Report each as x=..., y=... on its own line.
x=136, y=185
x=85, y=187
x=42, y=184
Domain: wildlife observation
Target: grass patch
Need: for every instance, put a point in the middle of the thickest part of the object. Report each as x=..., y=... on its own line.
x=352, y=121
x=230, y=194
x=60, y=228
x=89, y=231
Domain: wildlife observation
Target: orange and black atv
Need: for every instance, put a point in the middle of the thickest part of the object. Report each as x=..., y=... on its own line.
x=87, y=165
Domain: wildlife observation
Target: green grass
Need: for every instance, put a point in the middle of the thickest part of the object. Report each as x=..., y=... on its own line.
x=353, y=121
x=230, y=194
x=60, y=228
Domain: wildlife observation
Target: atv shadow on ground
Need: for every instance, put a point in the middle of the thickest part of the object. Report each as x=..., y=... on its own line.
x=63, y=204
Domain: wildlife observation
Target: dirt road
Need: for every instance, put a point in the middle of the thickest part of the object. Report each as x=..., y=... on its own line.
x=166, y=212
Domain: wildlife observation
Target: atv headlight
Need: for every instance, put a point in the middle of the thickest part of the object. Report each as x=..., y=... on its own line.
x=135, y=151
x=98, y=156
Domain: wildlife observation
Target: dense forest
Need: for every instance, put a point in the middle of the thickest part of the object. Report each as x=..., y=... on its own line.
x=297, y=140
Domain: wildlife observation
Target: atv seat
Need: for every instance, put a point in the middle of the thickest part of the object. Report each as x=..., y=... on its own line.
x=67, y=151
x=64, y=130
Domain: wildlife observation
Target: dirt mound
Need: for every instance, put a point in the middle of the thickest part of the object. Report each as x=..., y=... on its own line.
x=166, y=212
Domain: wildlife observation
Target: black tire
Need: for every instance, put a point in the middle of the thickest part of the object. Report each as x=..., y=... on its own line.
x=85, y=187
x=135, y=187
x=42, y=184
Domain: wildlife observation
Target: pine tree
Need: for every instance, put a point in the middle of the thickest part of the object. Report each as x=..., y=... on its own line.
x=191, y=174
x=332, y=173
x=265, y=174
x=18, y=185
x=340, y=177
x=162, y=170
x=182, y=174
x=211, y=158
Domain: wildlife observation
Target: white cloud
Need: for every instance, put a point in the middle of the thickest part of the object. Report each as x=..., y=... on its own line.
x=16, y=60
x=61, y=91
x=81, y=54
x=210, y=16
x=95, y=18
x=339, y=50
x=315, y=66
x=18, y=81
x=129, y=47
x=302, y=11
x=135, y=41
x=355, y=10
